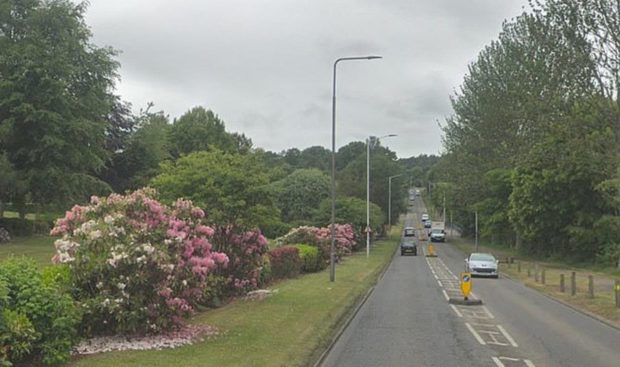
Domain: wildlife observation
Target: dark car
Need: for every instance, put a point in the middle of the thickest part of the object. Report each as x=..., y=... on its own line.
x=408, y=245
x=409, y=232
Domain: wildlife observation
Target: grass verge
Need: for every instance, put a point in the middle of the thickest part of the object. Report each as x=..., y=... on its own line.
x=603, y=303
x=41, y=248
x=290, y=328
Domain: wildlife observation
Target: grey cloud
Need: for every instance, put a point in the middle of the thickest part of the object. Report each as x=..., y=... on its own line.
x=265, y=66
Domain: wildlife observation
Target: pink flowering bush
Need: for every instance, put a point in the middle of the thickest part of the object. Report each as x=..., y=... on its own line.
x=245, y=253
x=346, y=240
x=137, y=266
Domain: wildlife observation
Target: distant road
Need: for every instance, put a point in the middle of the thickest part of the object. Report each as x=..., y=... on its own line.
x=407, y=321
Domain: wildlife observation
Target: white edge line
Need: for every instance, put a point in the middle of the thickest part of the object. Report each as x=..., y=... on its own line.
x=439, y=282
x=478, y=338
x=456, y=310
x=488, y=312
x=528, y=363
x=510, y=339
x=497, y=362
x=445, y=294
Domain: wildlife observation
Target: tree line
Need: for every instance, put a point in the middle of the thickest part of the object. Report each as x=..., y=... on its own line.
x=65, y=135
x=532, y=145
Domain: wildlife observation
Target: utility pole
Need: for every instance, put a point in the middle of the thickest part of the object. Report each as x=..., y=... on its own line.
x=476, y=231
x=444, y=207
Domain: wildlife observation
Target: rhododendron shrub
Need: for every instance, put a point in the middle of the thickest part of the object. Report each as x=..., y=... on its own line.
x=285, y=262
x=137, y=266
x=245, y=253
x=346, y=240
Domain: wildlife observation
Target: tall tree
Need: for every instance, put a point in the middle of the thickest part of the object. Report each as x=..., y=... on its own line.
x=55, y=95
x=200, y=129
x=299, y=194
x=232, y=188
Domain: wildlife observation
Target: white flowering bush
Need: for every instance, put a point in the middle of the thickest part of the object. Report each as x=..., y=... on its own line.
x=137, y=266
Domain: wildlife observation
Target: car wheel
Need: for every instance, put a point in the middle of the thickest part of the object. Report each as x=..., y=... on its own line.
x=402, y=253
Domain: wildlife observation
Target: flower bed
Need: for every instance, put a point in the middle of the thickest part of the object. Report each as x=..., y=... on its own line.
x=137, y=266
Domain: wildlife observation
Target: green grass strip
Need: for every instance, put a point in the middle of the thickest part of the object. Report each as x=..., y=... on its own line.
x=290, y=328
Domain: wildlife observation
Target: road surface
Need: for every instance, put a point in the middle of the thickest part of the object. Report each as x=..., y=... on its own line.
x=407, y=321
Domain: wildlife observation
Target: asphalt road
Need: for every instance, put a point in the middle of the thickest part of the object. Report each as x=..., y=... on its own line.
x=407, y=321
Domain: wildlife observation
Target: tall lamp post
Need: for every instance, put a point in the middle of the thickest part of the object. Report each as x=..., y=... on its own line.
x=368, y=188
x=390, y=199
x=332, y=262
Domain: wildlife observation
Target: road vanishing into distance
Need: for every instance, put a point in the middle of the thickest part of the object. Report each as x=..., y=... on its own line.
x=407, y=321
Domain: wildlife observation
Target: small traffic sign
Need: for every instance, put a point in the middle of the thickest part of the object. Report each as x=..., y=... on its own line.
x=465, y=284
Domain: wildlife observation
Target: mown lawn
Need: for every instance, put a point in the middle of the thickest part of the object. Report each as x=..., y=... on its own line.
x=41, y=248
x=290, y=328
x=603, y=303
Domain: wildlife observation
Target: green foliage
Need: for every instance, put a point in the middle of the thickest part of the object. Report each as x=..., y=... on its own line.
x=554, y=194
x=24, y=227
x=299, y=194
x=55, y=91
x=146, y=148
x=232, y=188
x=350, y=210
x=38, y=320
x=310, y=258
x=199, y=129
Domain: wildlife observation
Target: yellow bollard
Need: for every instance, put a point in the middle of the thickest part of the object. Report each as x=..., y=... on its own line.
x=430, y=251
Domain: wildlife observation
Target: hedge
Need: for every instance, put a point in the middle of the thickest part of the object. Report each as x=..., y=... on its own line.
x=285, y=262
x=24, y=227
x=310, y=258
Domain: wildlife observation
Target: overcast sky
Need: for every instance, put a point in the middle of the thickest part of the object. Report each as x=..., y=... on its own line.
x=265, y=66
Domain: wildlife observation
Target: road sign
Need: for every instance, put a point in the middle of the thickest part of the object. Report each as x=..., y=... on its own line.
x=465, y=284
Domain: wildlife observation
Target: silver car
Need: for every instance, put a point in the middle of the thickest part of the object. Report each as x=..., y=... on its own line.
x=482, y=264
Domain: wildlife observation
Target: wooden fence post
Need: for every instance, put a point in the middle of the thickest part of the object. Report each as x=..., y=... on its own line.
x=562, y=289
x=590, y=286
x=573, y=284
x=617, y=293
x=519, y=266
x=542, y=276
x=536, y=272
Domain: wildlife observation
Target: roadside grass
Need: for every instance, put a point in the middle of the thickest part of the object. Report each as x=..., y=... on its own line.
x=41, y=248
x=290, y=328
x=603, y=303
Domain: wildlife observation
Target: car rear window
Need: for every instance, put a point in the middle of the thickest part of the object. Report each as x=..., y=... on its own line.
x=482, y=257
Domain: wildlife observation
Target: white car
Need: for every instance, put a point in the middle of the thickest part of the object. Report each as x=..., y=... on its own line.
x=425, y=217
x=482, y=264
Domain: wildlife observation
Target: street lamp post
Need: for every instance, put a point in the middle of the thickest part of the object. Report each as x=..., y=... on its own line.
x=332, y=263
x=390, y=199
x=368, y=189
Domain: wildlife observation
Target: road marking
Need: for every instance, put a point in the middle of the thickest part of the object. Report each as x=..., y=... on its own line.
x=510, y=339
x=439, y=282
x=478, y=338
x=445, y=295
x=498, y=361
x=456, y=310
x=488, y=312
